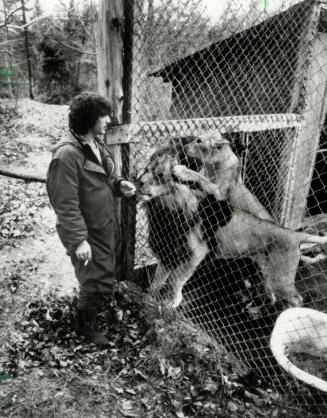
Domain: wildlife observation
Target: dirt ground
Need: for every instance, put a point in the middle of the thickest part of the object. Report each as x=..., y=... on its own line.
x=32, y=259
x=28, y=151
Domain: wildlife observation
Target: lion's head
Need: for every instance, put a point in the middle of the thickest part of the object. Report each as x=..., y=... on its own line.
x=159, y=184
x=219, y=162
x=157, y=178
x=209, y=146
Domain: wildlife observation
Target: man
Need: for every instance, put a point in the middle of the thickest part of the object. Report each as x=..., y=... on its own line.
x=81, y=185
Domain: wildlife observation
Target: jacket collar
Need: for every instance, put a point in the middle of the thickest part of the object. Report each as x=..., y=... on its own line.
x=92, y=166
x=79, y=142
x=89, y=164
x=69, y=139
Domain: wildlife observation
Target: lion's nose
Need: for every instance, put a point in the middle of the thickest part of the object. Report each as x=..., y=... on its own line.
x=203, y=147
x=141, y=184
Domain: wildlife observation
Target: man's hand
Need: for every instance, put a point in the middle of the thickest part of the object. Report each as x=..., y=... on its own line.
x=83, y=252
x=127, y=188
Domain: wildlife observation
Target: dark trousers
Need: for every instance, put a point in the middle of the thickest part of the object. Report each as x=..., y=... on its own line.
x=98, y=277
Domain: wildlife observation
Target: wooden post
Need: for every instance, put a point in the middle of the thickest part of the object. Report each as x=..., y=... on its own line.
x=300, y=149
x=110, y=85
x=128, y=205
x=115, y=65
x=110, y=54
x=307, y=141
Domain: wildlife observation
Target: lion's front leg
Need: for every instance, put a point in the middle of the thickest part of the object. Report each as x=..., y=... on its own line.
x=160, y=277
x=184, y=174
x=183, y=272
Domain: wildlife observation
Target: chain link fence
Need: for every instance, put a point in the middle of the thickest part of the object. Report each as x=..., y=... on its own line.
x=257, y=75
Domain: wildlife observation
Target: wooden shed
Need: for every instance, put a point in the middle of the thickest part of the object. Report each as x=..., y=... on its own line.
x=274, y=72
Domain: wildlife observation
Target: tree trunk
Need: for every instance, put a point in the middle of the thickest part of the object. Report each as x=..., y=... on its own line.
x=28, y=55
x=7, y=57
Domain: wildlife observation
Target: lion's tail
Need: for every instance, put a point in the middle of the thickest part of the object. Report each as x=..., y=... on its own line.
x=284, y=336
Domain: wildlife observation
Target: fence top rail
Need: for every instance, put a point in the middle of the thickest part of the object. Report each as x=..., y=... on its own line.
x=135, y=132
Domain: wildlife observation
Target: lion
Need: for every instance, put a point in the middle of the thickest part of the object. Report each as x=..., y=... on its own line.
x=216, y=161
x=190, y=215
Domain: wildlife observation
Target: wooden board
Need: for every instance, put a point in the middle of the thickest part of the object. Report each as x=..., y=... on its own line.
x=138, y=132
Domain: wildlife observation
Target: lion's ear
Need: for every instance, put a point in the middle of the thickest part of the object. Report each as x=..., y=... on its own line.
x=176, y=141
x=181, y=141
x=213, y=138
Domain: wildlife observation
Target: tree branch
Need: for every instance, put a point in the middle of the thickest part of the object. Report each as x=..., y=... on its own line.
x=5, y=51
x=85, y=30
x=21, y=176
x=74, y=49
x=22, y=27
x=10, y=15
x=8, y=41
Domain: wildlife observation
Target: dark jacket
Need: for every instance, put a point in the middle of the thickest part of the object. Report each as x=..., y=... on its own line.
x=81, y=192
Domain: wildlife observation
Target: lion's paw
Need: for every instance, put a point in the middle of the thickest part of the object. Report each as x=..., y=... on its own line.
x=182, y=172
x=175, y=301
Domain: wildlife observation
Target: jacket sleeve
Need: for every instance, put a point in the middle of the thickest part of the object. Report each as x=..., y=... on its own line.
x=114, y=180
x=62, y=187
x=115, y=184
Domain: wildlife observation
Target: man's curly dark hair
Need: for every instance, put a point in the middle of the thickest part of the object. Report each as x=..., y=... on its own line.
x=85, y=109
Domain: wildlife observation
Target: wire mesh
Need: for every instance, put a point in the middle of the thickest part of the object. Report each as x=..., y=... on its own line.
x=258, y=77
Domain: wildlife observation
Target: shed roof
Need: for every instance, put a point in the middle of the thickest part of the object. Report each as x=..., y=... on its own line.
x=253, y=37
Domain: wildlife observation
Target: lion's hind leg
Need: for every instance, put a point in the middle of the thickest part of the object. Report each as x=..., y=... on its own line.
x=278, y=269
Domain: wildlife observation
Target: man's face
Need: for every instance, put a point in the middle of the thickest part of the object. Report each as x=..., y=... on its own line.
x=101, y=125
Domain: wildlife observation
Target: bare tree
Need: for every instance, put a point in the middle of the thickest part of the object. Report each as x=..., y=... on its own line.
x=9, y=12
x=27, y=51
x=5, y=50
